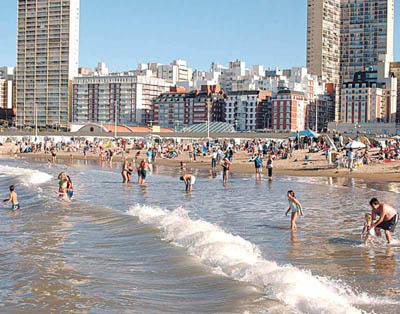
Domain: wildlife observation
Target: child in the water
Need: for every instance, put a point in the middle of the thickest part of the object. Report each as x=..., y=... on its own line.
x=367, y=231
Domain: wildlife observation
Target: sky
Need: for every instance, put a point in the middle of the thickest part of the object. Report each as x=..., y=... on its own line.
x=123, y=33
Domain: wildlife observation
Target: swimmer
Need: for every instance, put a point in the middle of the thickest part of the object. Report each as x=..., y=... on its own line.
x=295, y=208
x=388, y=218
x=12, y=198
x=189, y=180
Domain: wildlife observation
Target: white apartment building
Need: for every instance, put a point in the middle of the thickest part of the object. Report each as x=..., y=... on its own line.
x=242, y=107
x=6, y=87
x=47, y=60
x=124, y=97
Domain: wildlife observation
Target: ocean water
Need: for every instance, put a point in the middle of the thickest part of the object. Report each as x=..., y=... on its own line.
x=222, y=249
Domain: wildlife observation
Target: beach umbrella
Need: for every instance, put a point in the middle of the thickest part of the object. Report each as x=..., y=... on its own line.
x=355, y=145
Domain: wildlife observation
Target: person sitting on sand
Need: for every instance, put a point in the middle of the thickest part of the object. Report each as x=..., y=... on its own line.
x=189, y=180
x=388, y=218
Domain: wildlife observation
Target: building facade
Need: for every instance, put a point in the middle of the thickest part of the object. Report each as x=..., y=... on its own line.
x=395, y=70
x=289, y=111
x=323, y=39
x=243, y=109
x=348, y=36
x=7, y=87
x=177, y=109
x=123, y=97
x=320, y=112
x=363, y=99
x=367, y=32
x=47, y=61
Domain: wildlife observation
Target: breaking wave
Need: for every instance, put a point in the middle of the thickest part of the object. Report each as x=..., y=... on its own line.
x=241, y=260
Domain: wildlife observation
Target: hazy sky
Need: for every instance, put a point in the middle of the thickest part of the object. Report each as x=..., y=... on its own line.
x=123, y=33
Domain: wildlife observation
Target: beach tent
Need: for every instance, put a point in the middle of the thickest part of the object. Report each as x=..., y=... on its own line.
x=305, y=133
x=355, y=145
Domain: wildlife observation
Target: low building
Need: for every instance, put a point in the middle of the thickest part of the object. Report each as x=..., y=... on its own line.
x=242, y=108
x=320, y=112
x=364, y=99
x=289, y=111
x=124, y=97
x=177, y=109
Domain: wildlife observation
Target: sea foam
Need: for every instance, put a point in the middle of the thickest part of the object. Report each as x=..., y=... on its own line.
x=27, y=176
x=241, y=260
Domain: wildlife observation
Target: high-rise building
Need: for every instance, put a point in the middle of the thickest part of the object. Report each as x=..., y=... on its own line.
x=395, y=70
x=367, y=33
x=47, y=61
x=348, y=36
x=323, y=39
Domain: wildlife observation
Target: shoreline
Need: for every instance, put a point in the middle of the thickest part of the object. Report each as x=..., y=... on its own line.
x=238, y=167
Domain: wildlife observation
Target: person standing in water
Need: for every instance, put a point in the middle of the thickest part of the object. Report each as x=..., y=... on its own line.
x=124, y=171
x=63, y=186
x=388, y=218
x=258, y=163
x=226, y=165
x=144, y=168
x=189, y=180
x=295, y=208
x=70, y=187
x=270, y=166
x=12, y=198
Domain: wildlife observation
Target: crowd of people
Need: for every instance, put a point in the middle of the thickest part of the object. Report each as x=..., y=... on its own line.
x=139, y=155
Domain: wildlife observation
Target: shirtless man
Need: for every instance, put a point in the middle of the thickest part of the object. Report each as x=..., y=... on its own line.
x=388, y=218
x=12, y=198
x=189, y=180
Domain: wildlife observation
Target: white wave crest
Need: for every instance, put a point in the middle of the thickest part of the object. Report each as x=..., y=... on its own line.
x=241, y=260
x=29, y=176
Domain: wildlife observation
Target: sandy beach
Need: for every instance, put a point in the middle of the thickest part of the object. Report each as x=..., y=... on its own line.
x=316, y=166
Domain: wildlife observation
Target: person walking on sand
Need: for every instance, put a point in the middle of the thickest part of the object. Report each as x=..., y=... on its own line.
x=189, y=180
x=12, y=198
x=295, y=208
x=388, y=218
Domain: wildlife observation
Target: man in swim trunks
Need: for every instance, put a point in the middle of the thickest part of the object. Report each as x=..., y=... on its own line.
x=189, y=180
x=12, y=198
x=388, y=218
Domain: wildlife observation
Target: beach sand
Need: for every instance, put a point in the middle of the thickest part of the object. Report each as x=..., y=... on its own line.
x=317, y=166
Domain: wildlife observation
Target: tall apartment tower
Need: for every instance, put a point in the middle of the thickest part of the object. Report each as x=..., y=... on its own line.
x=47, y=61
x=347, y=36
x=367, y=32
x=323, y=39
